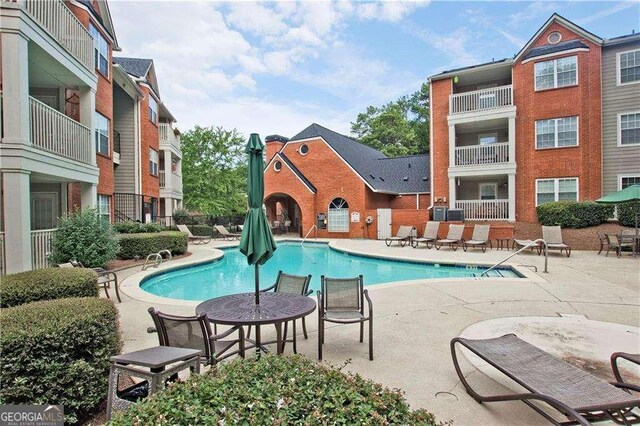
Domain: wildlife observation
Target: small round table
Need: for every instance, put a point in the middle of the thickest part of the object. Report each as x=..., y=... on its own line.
x=502, y=243
x=274, y=308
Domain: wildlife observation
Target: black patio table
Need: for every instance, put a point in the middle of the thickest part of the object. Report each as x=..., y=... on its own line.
x=274, y=308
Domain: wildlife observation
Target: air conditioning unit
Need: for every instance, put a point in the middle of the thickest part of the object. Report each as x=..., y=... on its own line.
x=455, y=215
x=440, y=214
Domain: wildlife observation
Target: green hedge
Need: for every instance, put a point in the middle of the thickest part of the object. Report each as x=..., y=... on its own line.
x=627, y=213
x=57, y=352
x=141, y=245
x=131, y=227
x=46, y=284
x=571, y=214
x=203, y=230
x=275, y=390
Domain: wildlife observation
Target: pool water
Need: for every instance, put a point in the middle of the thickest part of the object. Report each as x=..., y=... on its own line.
x=231, y=274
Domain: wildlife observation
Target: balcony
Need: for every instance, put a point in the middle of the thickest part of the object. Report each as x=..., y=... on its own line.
x=475, y=155
x=168, y=136
x=162, y=180
x=484, y=209
x=176, y=180
x=493, y=98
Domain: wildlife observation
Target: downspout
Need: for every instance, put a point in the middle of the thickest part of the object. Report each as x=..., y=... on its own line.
x=431, y=141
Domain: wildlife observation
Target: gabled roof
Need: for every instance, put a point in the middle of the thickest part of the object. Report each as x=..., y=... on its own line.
x=103, y=17
x=555, y=48
x=137, y=67
x=297, y=172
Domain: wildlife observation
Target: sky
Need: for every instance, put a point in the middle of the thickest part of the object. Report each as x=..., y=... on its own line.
x=276, y=67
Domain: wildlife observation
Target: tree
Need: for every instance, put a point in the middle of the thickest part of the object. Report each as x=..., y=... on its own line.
x=214, y=171
x=398, y=128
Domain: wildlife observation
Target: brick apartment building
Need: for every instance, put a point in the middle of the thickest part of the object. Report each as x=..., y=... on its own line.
x=59, y=115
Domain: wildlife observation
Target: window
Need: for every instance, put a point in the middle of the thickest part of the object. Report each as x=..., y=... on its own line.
x=102, y=134
x=104, y=206
x=557, y=132
x=277, y=166
x=153, y=110
x=554, y=37
x=488, y=191
x=629, y=129
x=304, y=149
x=153, y=162
x=626, y=181
x=629, y=67
x=100, y=51
x=338, y=220
x=487, y=138
x=562, y=189
x=556, y=73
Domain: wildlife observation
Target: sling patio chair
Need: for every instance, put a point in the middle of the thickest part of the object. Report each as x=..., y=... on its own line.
x=105, y=278
x=196, y=239
x=402, y=237
x=293, y=284
x=341, y=301
x=574, y=393
x=552, y=235
x=518, y=244
x=617, y=243
x=604, y=241
x=430, y=235
x=226, y=234
x=480, y=238
x=194, y=332
x=454, y=238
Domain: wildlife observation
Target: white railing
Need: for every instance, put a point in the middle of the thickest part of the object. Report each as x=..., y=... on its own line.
x=40, y=248
x=53, y=131
x=484, y=209
x=2, y=258
x=62, y=24
x=481, y=100
x=167, y=135
x=162, y=180
x=474, y=155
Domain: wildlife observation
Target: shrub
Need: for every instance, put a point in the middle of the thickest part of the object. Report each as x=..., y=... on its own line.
x=203, y=230
x=627, y=213
x=181, y=216
x=86, y=237
x=131, y=227
x=47, y=284
x=571, y=214
x=57, y=352
x=141, y=245
x=275, y=390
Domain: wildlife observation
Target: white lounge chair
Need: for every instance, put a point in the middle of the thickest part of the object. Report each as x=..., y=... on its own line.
x=226, y=234
x=454, y=238
x=430, y=235
x=480, y=238
x=196, y=239
x=402, y=237
x=552, y=235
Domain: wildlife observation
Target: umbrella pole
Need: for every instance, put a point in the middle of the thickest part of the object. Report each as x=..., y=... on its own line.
x=257, y=279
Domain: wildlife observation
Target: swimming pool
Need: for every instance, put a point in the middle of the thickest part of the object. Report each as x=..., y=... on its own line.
x=231, y=274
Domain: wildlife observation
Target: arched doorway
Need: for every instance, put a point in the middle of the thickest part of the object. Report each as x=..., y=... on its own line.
x=284, y=214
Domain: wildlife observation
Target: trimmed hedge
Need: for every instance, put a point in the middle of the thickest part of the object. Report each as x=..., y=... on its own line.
x=141, y=245
x=627, y=213
x=203, y=230
x=46, y=284
x=571, y=214
x=57, y=352
x=131, y=227
x=275, y=390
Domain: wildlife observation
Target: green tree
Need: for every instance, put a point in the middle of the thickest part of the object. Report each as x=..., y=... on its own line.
x=214, y=171
x=397, y=128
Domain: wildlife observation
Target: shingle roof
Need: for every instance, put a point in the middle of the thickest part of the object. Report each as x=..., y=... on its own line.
x=298, y=172
x=137, y=67
x=554, y=48
x=627, y=38
x=469, y=67
x=399, y=175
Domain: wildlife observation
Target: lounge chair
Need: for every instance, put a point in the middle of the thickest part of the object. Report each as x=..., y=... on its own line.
x=105, y=278
x=552, y=235
x=226, y=234
x=241, y=227
x=430, y=235
x=604, y=241
x=196, y=239
x=518, y=244
x=402, y=237
x=480, y=238
x=576, y=394
x=454, y=238
x=617, y=243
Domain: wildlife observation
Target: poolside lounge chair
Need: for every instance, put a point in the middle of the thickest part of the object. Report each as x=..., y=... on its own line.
x=617, y=243
x=517, y=244
x=576, y=394
x=194, y=332
x=430, y=235
x=552, y=235
x=226, y=234
x=105, y=278
x=402, y=237
x=454, y=238
x=480, y=238
x=341, y=301
x=196, y=239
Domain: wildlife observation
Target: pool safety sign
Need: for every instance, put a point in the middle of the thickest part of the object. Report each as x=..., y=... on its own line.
x=355, y=217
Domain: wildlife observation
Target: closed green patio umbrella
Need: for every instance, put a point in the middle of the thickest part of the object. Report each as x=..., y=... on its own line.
x=630, y=193
x=256, y=242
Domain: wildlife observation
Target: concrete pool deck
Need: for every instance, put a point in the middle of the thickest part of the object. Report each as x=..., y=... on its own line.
x=415, y=321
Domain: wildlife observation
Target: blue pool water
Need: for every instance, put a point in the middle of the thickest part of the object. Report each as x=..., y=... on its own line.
x=231, y=274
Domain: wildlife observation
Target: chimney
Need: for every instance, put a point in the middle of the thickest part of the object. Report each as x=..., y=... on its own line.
x=274, y=144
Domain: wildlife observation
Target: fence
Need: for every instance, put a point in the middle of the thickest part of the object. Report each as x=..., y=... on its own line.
x=40, y=248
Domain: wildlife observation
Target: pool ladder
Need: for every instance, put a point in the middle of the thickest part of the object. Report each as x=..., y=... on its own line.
x=310, y=229
x=531, y=244
x=156, y=259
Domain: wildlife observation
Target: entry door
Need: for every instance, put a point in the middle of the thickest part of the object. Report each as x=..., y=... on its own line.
x=44, y=210
x=384, y=223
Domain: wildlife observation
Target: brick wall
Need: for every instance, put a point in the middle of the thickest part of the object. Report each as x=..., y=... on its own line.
x=440, y=91
x=148, y=139
x=271, y=148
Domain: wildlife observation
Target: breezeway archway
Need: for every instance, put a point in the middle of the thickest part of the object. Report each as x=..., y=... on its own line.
x=284, y=214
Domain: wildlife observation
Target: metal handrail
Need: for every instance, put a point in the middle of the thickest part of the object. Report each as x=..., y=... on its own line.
x=310, y=229
x=531, y=244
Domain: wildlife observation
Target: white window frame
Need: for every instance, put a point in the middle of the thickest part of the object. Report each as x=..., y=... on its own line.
x=344, y=219
x=618, y=69
x=153, y=165
x=556, y=185
x=622, y=176
x=101, y=204
x=494, y=185
x=619, y=130
x=98, y=132
x=94, y=31
x=484, y=135
x=153, y=113
x=555, y=74
x=555, y=137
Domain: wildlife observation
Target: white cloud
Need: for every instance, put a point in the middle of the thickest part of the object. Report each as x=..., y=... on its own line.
x=255, y=18
x=533, y=12
x=458, y=46
x=609, y=11
x=512, y=38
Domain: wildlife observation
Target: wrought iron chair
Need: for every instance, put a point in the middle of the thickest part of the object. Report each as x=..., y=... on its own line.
x=341, y=301
x=105, y=278
x=194, y=332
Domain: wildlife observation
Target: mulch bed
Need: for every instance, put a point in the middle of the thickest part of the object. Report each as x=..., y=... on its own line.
x=130, y=263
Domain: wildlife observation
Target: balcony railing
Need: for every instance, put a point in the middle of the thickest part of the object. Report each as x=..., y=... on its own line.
x=54, y=132
x=41, y=247
x=484, y=209
x=162, y=181
x=481, y=100
x=474, y=155
x=62, y=24
x=167, y=135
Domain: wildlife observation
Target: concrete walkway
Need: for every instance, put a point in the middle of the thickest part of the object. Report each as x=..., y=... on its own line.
x=414, y=321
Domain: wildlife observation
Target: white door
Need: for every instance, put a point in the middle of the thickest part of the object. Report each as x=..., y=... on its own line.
x=44, y=210
x=384, y=223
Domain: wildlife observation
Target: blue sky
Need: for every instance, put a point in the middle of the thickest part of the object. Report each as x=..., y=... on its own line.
x=275, y=67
